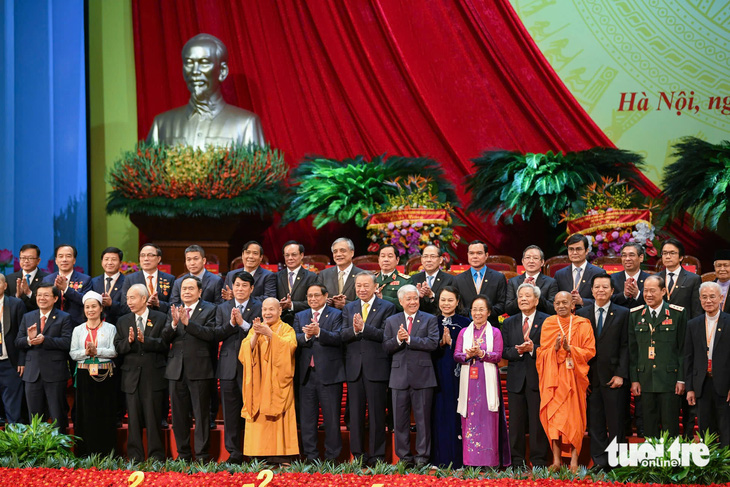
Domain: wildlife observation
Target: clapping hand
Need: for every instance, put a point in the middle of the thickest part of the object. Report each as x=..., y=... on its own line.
x=226, y=293
x=236, y=317
x=558, y=343
x=357, y=323
x=285, y=303
x=106, y=300
x=261, y=329
x=446, y=339
x=154, y=300
x=402, y=334
x=131, y=334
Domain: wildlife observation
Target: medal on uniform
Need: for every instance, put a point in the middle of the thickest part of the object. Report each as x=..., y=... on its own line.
x=709, y=366
x=93, y=369
x=651, y=353
x=473, y=372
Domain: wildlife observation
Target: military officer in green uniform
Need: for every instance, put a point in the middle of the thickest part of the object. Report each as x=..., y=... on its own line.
x=656, y=356
x=389, y=280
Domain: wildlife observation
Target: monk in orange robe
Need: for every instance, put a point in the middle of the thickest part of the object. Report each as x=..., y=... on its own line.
x=267, y=355
x=566, y=345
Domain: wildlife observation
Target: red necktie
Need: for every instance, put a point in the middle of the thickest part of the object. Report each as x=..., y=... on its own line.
x=530, y=280
x=410, y=324
x=526, y=328
x=315, y=318
x=43, y=323
x=150, y=287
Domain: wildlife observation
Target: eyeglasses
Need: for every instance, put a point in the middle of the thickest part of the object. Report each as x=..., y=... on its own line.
x=24, y=258
x=669, y=253
x=142, y=256
x=630, y=256
x=311, y=296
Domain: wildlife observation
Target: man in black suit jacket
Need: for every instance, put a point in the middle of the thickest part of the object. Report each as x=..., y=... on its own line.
x=683, y=287
x=576, y=278
x=367, y=366
x=707, y=367
x=293, y=281
x=480, y=279
x=722, y=275
x=609, y=372
x=533, y=259
x=521, y=335
x=143, y=352
x=340, y=279
x=158, y=283
x=11, y=313
x=22, y=284
x=110, y=283
x=264, y=280
x=410, y=337
x=233, y=321
x=71, y=284
x=628, y=286
x=195, y=264
x=44, y=340
x=190, y=329
x=432, y=279
x=321, y=373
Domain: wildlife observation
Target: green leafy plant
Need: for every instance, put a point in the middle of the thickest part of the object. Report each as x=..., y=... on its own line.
x=332, y=190
x=717, y=471
x=507, y=184
x=179, y=181
x=697, y=182
x=37, y=440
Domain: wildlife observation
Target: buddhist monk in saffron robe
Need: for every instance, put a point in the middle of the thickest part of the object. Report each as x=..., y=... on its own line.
x=566, y=345
x=267, y=355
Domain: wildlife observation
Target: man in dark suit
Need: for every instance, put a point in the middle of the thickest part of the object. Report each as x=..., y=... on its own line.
x=576, y=278
x=707, y=364
x=11, y=386
x=321, y=373
x=293, y=281
x=431, y=279
x=71, y=284
x=521, y=335
x=683, y=287
x=340, y=279
x=480, y=279
x=109, y=284
x=410, y=337
x=656, y=358
x=158, y=283
x=264, y=280
x=609, y=372
x=629, y=284
x=44, y=340
x=190, y=329
x=22, y=284
x=233, y=321
x=367, y=366
x=144, y=356
x=195, y=264
x=533, y=259
x=722, y=277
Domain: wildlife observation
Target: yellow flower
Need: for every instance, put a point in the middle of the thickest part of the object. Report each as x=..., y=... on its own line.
x=436, y=230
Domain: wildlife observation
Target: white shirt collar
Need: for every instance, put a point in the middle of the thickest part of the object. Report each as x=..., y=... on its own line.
x=347, y=270
x=410, y=316
x=319, y=310
x=145, y=315
x=32, y=273
x=432, y=275
x=530, y=317
x=370, y=303
x=658, y=310
x=192, y=306
x=295, y=271
x=635, y=276
x=527, y=275
x=582, y=267
x=147, y=275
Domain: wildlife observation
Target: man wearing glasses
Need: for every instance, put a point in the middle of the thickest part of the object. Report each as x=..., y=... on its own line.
x=628, y=286
x=533, y=259
x=683, y=287
x=576, y=278
x=23, y=284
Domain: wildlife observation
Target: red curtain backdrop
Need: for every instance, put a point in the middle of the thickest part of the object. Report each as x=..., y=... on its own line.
x=445, y=78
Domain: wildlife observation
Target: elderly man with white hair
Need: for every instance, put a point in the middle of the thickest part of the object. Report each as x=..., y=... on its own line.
x=707, y=363
x=410, y=337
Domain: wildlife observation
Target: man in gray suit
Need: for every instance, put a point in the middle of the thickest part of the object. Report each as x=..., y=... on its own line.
x=340, y=279
x=410, y=337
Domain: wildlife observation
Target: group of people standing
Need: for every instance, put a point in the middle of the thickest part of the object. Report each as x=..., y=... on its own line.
x=428, y=346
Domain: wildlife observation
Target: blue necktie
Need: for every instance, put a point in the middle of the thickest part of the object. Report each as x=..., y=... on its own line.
x=27, y=278
x=599, y=327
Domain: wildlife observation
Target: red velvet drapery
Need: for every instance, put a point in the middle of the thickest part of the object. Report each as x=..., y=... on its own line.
x=445, y=78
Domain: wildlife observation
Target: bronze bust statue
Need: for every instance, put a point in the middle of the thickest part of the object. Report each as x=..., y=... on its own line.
x=207, y=119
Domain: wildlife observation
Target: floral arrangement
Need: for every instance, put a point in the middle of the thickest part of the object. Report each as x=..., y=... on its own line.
x=128, y=267
x=6, y=259
x=611, y=218
x=412, y=218
x=180, y=181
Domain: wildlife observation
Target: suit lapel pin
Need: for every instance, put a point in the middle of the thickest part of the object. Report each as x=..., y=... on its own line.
x=327, y=316
x=53, y=317
x=374, y=310
x=418, y=321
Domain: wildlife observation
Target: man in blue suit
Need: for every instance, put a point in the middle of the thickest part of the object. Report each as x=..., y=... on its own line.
x=44, y=340
x=110, y=283
x=576, y=278
x=264, y=280
x=195, y=263
x=22, y=284
x=71, y=284
x=410, y=337
x=367, y=366
x=11, y=386
x=321, y=372
x=158, y=283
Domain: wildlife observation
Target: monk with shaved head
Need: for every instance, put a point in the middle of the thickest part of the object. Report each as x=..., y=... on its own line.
x=566, y=345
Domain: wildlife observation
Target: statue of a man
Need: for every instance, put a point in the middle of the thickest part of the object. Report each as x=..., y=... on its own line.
x=207, y=119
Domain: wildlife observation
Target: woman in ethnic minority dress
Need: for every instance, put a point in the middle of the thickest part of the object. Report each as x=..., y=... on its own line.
x=446, y=447
x=92, y=347
x=483, y=423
